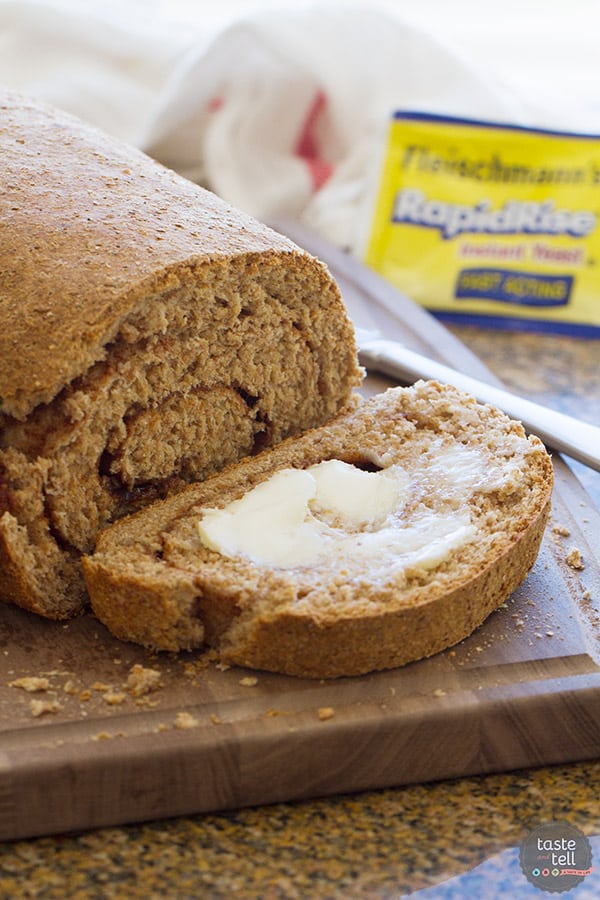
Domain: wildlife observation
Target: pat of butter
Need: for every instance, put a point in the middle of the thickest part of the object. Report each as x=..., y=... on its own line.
x=354, y=498
x=337, y=515
x=268, y=524
x=285, y=520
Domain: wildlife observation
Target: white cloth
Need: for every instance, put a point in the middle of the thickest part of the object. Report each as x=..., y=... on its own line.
x=282, y=113
x=84, y=62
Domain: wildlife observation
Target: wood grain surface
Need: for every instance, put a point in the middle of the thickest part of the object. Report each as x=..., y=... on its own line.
x=84, y=744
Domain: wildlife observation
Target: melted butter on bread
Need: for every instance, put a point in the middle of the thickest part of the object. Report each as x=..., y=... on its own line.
x=335, y=513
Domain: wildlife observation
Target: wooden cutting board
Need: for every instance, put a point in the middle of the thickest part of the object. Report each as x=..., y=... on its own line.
x=99, y=744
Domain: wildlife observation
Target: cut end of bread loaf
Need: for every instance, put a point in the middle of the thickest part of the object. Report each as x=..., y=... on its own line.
x=153, y=580
x=150, y=335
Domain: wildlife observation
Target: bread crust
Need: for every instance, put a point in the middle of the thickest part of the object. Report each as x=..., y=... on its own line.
x=91, y=228
x=151, y=581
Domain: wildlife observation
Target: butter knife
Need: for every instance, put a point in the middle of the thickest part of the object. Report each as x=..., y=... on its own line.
x=577, y=439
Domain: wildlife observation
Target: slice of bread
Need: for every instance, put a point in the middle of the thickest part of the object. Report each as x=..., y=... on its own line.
x=383, y=585
x=149, y=335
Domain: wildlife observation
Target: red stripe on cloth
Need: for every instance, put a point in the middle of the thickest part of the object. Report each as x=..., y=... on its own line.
x=320, y=171
x=307, y=146
x=214, y=104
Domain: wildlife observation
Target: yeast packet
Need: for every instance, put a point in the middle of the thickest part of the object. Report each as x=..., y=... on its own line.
x=488, y=223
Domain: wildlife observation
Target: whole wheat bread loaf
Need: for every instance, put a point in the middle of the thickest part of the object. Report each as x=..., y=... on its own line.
x=149, y=335
x=473, y=484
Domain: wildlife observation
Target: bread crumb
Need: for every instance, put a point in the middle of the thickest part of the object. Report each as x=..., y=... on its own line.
x=146, y=702
x=439, y=692
x=31, y=683
x=206, y=658
x=40, y=707
x=100, y=686
x=574, y=558
x=562, y=530
x=186, y=720
x=69, y=687
x=216, y=720
x=142, y=680
x=102, y=736
x=85, y=695
x=248, y=681
x=326, y=712
x=114, y=698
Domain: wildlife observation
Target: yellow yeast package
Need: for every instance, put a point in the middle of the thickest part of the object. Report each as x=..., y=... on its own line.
x=491, y=224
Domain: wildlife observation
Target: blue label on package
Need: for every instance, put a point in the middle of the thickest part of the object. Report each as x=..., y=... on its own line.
x=523, y=288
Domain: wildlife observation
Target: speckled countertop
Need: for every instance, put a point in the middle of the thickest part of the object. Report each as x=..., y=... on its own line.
x=455, y=839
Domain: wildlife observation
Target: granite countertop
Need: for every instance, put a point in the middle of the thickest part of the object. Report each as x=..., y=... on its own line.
x=458, y=838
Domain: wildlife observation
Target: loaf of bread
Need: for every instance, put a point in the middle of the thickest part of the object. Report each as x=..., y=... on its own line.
x=377, y=539
x=149, y=335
